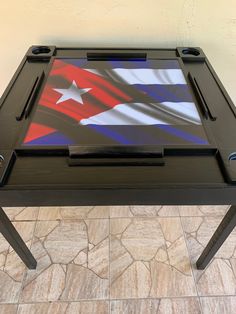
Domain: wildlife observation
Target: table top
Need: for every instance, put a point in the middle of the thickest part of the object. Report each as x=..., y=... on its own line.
x=116, y=126
x=135, y=102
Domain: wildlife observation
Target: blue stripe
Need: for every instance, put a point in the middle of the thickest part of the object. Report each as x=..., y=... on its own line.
x=137, y=136
x=148, y=64
x=51, y=139
x=109, y=132
x=182, y=134
x=162, y=93
x=131, y=64
x=80, y=63
x=125, y=135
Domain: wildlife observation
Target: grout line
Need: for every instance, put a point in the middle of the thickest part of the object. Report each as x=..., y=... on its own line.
x=200, y=304
x=72, y=219
x=125, y=299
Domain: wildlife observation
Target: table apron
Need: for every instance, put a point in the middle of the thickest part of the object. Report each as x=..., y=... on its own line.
x=92, y=197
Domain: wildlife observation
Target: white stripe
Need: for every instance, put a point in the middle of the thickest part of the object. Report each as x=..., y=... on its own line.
x=151, y=76
x=142, y=114
x=94, y=71
x=183, y=109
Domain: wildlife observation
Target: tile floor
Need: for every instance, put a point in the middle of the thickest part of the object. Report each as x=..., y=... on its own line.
x=118, y=260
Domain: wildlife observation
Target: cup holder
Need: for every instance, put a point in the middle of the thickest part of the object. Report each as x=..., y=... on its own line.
x=41, y=50
x=232, y=156
x=191, y=51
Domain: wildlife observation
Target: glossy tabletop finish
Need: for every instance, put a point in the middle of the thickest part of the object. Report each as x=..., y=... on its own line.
x=171, y=154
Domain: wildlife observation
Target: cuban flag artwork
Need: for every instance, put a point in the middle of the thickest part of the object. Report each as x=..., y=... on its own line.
x=115, y=102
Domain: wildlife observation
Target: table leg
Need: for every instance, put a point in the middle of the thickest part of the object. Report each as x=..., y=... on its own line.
x=14, y=239
x=222, y=232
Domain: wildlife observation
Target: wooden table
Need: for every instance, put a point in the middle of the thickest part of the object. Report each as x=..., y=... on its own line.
x=124, y=174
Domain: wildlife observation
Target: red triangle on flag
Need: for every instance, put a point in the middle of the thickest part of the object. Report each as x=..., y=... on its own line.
x=37, y=130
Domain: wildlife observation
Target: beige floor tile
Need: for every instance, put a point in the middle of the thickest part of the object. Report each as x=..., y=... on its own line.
x=142, y=238
x=9, y=289
x=13, y=269
x=44, y=228
x=68, y=237
x=25, y=229
x=82, y=258
x=214, y=210
x=134, y=282
x=156, y=306
x=2, y=260
x=171, y=228
x=50, y=213
x=206, y=210
x=47, y=286
x=73, y=212
x=118, y=226
x=120, y=259
x=73, y=237
x=22, y=213
x=4, y=250
x=89, y=307
x=179, y=306
x=136, y=306
x=143, y=211
x=170, y=282
x=99, y=212
x=98, y=258
x=233, y=265
x=79, y=249
x=98, y=230
x=83, y=283
x=190, y=211
x=178, y=256
x=8, y=309
x=207, y=229
x=43, y=261
x=148, y=259
x=120, y=211
x=218, y=305
x=141, y=264
x=43, y=308
x=168, y=211
x=13, y=264
x=219, y=277
x=200, y=230
x=4, y=246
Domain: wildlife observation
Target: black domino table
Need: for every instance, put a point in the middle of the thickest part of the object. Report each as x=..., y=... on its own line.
x=83, y=126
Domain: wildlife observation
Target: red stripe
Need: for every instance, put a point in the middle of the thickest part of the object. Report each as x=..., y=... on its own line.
x=70, y=107
x=101, y=92
x=37, y=130
x=70, y=71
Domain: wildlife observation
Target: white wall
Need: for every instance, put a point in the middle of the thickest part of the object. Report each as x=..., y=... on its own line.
x=210, y=24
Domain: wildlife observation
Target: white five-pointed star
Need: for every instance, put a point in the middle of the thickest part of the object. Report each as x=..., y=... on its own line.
x=73, y=92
